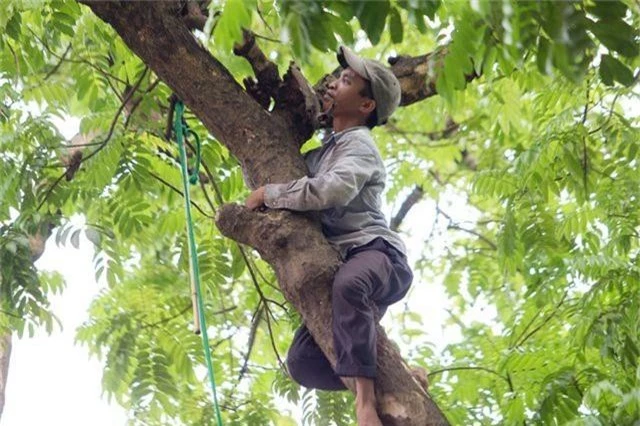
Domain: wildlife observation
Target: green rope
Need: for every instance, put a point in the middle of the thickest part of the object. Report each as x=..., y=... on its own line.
x=182, y=131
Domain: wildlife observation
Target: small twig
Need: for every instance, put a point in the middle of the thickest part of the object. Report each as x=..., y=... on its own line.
x=253, y=331
x=57, y=66
x=450, y=129
x=115, y=120
x=463, y=368
x=206, y=196
x=182, y=312
x=278, y=304
x=77, y=61
x=138, y=101
x=273, y=40
x=457, y=227
x=15, y=58
x=585, y=158
x=273, y=343
x=476, y=233
x=216, y=189
x=526, y=328
x=543, y=323
x=50, y=190
x=264, y=21
x=167, y=319
x=193, y=203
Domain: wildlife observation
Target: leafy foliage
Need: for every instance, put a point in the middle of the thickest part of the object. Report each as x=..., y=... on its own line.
x=535, y=188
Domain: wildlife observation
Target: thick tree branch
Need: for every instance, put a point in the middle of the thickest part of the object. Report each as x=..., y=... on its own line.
x=265, y=71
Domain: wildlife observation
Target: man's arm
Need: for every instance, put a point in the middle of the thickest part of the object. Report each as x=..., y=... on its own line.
x=337, y=187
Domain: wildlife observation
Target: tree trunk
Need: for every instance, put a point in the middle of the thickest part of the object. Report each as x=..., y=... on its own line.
x=267, y=146
x=5, y=355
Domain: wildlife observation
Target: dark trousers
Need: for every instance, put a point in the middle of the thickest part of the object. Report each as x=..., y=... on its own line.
x=373, y=277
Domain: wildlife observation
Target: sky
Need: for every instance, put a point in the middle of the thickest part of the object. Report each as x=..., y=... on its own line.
x=51, y=380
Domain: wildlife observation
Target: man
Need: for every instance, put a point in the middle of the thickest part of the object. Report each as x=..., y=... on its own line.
x=345, y=184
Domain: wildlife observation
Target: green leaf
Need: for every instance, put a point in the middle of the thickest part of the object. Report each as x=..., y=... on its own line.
x=395, y=26
x=372, y=17
x=321, y=32
x=235, y=16
x=11, y=247
x=612, y=69
x=544, y=57
x=13, y=27
x=298, y=35
x=616, y=35
x=75, y=238
x=93, y=236
x=341, y=27
x=608, y=9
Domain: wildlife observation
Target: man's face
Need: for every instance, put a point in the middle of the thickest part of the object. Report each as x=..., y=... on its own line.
x=343, y=95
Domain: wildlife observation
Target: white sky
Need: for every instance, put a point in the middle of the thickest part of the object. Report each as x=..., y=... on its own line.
x=52, y=381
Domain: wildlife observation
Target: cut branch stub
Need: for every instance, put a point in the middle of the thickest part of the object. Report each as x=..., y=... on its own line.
x=418, y=75
x=299, y=103
x=295, y=100
x=266, y=72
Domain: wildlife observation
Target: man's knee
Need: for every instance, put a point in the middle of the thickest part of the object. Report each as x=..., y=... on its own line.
x=349, y=287
x=313, y=373
x=296, y=370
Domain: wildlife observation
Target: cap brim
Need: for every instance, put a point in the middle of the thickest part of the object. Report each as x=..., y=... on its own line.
x=347, y=58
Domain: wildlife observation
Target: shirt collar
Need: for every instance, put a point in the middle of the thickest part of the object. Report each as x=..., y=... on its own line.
x=333, y=136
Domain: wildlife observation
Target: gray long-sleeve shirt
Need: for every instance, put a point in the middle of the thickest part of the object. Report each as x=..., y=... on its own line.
x=345, y=185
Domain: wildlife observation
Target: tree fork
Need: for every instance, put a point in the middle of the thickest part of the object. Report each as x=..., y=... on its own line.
x=269, y=152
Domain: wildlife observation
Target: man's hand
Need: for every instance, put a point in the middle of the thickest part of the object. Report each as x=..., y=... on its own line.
x=255, y=199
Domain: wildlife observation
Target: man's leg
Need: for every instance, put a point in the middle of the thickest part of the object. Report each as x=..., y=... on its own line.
x=371, y=279
x=308, y=366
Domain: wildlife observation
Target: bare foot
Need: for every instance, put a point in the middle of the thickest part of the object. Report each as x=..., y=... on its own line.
x=367, y=416
x=366, y=402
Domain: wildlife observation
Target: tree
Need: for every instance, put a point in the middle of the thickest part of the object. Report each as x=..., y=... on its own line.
x=538, y=145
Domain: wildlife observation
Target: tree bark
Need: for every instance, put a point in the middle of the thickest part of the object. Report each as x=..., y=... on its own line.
x=5, y=355
x=267, y=146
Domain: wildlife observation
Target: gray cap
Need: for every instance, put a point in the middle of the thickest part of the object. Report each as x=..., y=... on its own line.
x=384, y=85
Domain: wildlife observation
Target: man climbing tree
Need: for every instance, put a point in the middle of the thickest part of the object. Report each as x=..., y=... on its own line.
x=513, y=155
x=345, y=184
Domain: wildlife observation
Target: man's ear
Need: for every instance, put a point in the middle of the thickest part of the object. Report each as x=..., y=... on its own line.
x=367, y=106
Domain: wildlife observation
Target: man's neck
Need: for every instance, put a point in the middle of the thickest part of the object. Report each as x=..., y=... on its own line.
x=344, y=123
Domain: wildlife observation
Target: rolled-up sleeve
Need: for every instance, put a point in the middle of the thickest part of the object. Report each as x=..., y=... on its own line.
x=333, y=188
